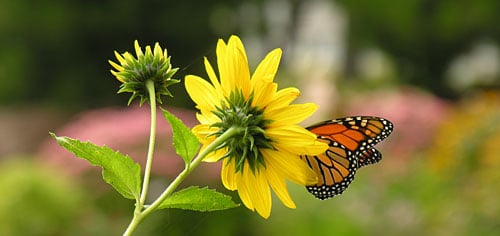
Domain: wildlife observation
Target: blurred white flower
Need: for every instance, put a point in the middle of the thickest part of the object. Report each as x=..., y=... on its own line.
x=480, y=66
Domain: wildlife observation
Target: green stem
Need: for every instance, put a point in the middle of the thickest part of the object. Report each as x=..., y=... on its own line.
x=139, y=216
x=136, y=220
x=152, y=135
x=190, y=167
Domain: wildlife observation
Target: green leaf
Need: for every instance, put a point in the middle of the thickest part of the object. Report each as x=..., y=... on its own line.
x=185, y=143
x=198, y=199
x=118, y=170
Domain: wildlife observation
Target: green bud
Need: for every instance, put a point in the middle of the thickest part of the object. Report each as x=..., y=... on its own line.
x=151, y=65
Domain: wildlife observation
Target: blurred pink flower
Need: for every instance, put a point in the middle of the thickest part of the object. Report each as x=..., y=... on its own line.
x=123, y=129
x=415, y=115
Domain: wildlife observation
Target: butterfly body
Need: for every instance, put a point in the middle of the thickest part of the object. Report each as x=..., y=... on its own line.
x=350, y=142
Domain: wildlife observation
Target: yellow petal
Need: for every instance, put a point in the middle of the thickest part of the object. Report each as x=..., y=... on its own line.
x=117, y=76
x=201, y=92
x=283, y=98
x=158, y=52
x=129, y=58
x=290, y=166
x=207, y=117
x=312, y=149
x=295, y=139
x=267, y=68
x=316, y=149
x=116, y=66
x=239, y=62
x=222, y=64
x=211, y=75
x=149, y=53
x=290, y=115
x=233, y=67
x=254, y=192
x=120, y=58
x=291, y=134
x=263, y=93
x=215, y=156
x=243, y=190
x=202, y=131
x=278, y=184
x=138, y=50
x=229, y=178
x=263, y=87
x=261, y=194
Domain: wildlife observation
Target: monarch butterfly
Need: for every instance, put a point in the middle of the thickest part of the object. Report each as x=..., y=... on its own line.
x=350, y=141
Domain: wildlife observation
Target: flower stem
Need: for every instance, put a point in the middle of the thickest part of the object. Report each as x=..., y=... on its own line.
x=139, y=216
x=152, y=135
x=133, y=223
x=190, y=167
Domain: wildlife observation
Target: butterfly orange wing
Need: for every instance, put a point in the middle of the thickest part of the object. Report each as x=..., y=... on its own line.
x=370, y=156
x=350, y=142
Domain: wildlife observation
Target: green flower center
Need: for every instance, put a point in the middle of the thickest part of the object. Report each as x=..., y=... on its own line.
x=238, y=113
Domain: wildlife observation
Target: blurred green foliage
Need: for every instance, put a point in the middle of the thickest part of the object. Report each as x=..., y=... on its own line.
x=465, y=157
x=423, y=35
x=37, y=202
x=420, y=201
x=55, y=52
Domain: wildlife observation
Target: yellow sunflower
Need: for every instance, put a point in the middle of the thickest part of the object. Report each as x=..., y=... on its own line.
x=267, y=143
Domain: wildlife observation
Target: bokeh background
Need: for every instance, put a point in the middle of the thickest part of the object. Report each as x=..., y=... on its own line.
x=431, y=67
